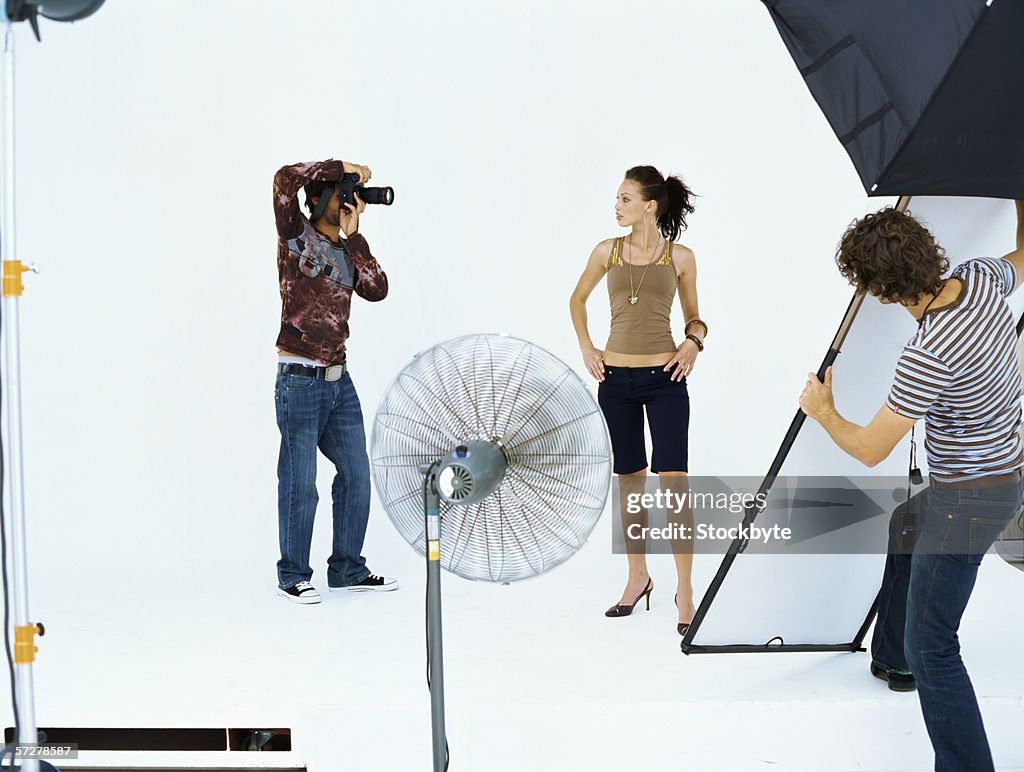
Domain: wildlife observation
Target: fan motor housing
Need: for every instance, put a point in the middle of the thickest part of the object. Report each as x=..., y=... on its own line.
x=471, y=472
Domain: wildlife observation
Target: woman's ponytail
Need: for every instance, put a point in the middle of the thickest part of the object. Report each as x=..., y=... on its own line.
x=674, y=199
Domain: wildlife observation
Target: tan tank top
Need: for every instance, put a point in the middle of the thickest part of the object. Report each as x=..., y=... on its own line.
x=643, y=327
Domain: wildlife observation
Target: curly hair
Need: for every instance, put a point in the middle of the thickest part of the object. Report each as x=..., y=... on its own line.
x=892, y=256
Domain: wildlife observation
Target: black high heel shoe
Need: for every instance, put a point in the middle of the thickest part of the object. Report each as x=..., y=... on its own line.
x=625, y=611
x=681, y=627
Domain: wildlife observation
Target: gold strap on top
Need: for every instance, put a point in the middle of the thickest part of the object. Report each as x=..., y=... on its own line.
x=616, y=256
x=666, y=257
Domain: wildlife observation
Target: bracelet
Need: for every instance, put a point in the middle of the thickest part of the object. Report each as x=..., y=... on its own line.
x=698, y=341
x=686, y=329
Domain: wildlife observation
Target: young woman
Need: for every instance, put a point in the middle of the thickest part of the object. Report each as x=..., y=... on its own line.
x=641, y=367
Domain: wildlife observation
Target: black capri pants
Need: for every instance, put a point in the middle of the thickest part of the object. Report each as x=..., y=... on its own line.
x=623, y=395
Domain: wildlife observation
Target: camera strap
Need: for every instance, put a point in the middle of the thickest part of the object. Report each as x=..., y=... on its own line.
x=908, y=525
x=915, y=472
x=321, y=204
x=914, y=476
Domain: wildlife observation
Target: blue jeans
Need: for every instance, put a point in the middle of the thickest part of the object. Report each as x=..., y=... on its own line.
x=326, y=414
x=956, y=530
x=890, y=628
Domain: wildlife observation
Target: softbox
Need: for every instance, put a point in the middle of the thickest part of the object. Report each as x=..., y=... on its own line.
x=924, y=95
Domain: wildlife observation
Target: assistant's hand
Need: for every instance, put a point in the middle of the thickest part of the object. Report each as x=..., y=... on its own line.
x=594, y=360
x=816, y=399
x=363, y=171
x=348, y=217
x=682, y=363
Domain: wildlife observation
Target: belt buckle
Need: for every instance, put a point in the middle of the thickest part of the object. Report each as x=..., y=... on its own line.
x=334, y=372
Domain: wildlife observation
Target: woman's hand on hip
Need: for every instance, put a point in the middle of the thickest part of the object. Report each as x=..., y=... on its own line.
x=681, y=364
x=594, y=360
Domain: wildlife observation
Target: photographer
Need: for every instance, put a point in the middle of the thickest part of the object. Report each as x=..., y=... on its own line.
x=959, y=372
x=321, y=261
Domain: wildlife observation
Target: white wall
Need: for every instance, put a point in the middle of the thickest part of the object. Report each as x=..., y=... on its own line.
x=149, y=133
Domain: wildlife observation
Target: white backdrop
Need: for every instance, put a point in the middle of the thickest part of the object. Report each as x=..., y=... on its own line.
x=148, y=137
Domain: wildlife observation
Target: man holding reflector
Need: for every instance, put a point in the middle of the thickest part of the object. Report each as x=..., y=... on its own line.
x=959, y=372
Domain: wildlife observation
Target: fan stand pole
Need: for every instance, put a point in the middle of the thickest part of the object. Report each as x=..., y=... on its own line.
x=24, y=631
x=432, y=507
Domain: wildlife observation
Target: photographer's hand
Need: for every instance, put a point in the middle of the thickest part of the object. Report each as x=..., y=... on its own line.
x=349, y=216
x=816, y=399
x=363, y=172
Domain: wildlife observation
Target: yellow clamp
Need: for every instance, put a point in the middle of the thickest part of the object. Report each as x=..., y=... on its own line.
x=25, y=643
x=12, y=286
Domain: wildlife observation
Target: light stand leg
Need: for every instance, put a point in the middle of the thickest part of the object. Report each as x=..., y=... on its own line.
x=24, y=649
x=434, y=644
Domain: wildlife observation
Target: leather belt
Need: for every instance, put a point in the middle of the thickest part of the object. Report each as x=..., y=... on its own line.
x=328, y=373
x=991, y=481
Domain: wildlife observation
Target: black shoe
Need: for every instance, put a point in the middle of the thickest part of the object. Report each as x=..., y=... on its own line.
x=681, y=627
x=303, y=592
x=625, y=611
x=898, y=682
x=369, y=584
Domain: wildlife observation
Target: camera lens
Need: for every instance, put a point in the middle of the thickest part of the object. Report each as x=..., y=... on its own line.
x=377, y=195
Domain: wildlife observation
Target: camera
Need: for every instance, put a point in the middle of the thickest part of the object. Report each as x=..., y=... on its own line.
x=348, y=187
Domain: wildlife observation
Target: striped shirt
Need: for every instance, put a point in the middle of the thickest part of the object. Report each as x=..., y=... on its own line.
x=960, y=373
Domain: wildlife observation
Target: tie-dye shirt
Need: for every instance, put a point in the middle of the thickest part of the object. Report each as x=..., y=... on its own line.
x=317, y=275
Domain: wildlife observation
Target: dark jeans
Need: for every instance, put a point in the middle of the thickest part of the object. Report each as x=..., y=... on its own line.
x=324, y=414
x=922, y=599
x=623, y=395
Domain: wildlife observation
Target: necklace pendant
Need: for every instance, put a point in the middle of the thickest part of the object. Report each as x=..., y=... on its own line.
x=633, y=299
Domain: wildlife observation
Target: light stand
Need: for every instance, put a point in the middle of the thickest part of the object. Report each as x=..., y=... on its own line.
x=25, y=631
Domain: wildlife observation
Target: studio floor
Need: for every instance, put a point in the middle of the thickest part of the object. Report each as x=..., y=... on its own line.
x=536, y=677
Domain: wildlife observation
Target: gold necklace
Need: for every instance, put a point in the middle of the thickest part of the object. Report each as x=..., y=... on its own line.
x=634, y=294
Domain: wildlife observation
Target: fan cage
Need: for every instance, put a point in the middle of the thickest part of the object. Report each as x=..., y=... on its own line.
x=508, y=391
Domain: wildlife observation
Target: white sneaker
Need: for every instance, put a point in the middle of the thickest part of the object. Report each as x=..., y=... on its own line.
x=303, y=592
x=371, y=583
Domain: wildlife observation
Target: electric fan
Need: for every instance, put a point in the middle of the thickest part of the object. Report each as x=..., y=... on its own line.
x=491, y=458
